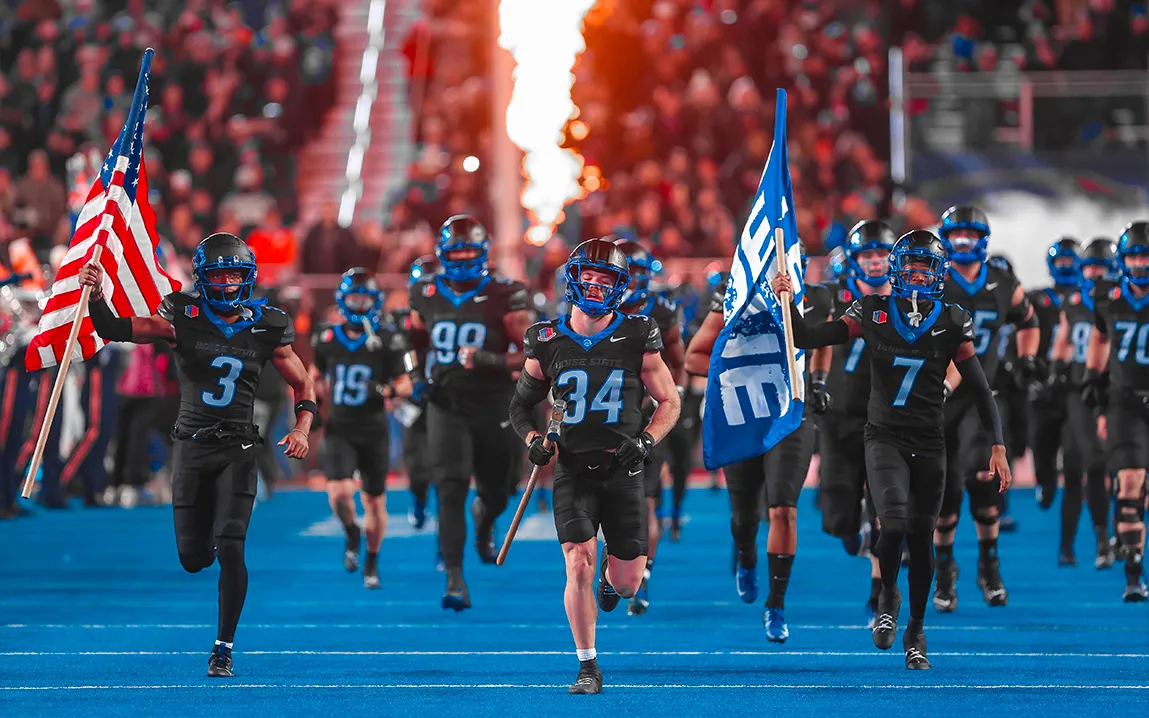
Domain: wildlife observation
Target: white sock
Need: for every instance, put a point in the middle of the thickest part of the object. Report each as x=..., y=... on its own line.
x=586, y=654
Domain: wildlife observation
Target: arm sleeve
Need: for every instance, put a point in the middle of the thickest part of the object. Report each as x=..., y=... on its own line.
x=1017, y=312
x=107, y=325
x=973, y=375
x=528, y=393
x=653, y=337
x=823, y=334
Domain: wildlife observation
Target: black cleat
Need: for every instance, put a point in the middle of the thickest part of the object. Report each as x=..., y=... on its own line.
x=589, y=679
x=371, y=577
x=484, y=532
x=1066, y=558
x=457, y=597
x=945, y=590
x=675, y=529
x=219, y=663
x=608, y=598
x=641, y=600
x=914, y=643
x=351, y=549
x=989, y=580
x=886, y=622
x=1045, y=497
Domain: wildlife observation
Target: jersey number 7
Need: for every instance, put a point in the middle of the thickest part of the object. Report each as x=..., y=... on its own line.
x=913, y=366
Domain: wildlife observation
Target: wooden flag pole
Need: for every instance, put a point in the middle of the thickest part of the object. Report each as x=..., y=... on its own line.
x=557, y=410
x=797, y=390
x=58, y=389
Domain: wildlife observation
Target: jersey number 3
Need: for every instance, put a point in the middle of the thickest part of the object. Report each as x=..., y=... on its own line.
x=608, y=398
x=226, y=391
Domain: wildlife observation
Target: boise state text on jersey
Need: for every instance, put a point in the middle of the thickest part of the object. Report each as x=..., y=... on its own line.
x=599, y=376
x=219, y=364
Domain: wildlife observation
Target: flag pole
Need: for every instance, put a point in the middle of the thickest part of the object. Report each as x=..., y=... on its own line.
x=797, y=390
x=58, y=389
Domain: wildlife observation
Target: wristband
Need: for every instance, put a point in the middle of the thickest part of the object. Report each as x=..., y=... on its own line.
x=306, y=405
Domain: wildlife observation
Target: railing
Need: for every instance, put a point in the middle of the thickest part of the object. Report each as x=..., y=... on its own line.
x=953, y=92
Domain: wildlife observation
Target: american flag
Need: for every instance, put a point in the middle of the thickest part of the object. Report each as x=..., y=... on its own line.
x=117, y=217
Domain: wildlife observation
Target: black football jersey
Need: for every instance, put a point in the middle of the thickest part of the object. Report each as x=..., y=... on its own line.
x=988, y=299
x=470, y=318
x=1078, y=308
x=219, y=364
x=1047, y=306
x=849, y=379
x=354, y=371
x=1124, y=319
x=908, y=365
x=662, y=309
x=599, y=377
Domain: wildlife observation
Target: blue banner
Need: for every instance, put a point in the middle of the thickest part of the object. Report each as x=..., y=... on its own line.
x=748, y=396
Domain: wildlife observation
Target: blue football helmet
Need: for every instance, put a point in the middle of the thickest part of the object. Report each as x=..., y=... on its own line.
x=224, y=251
x=868, y=236
x=604, y=256
x=424, y=266
x=965, y=251
x=1100, y=252
x=1064, y=262
x=919, y=246
x=463, y=233
x=640, y=263
x=1134, y=239
x=358, y=297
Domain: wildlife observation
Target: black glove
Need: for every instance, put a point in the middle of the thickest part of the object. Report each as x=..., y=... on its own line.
x=538, y=454
x=1057, y=384
x=1026, y=372
x=635, y=451
x=1095, y=389
x=421, y=393
x=820, y=399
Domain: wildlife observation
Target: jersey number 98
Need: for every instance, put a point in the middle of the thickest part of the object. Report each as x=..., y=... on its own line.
x=608, y=398
x=447, y=337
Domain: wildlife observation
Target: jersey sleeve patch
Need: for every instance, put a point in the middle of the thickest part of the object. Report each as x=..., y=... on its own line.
x=537, y=334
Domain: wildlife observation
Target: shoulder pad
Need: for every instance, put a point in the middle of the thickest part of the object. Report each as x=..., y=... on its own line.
x=274, y=316
x=542, y=331
x=502, y=279
x=668, y=302
x=959, y=315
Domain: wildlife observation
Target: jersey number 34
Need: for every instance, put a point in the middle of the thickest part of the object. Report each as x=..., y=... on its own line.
x=608, y=398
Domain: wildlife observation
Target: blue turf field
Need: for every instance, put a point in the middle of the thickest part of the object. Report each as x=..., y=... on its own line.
x=97, y=618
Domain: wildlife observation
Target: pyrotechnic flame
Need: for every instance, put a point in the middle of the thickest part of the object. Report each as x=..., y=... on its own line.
x=545, y=38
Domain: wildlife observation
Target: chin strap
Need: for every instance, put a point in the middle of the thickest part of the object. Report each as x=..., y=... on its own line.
x=915, y=317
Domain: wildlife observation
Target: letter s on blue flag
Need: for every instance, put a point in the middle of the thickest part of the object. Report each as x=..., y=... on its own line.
x=748, y=395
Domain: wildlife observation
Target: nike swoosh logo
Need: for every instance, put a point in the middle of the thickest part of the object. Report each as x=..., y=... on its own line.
x=616, y=339
x=480, y=299
x=991, y=287
x=254, y=330
x=505, y=424
x=936, y=332
x=594, y=467
x=245, y=447
x=636, y=472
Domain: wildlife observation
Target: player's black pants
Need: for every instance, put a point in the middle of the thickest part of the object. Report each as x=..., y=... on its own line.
x=213, y=492
x=1083, y=455
x=842, y=472
x=608, y=496
x=680, y=444
x=967, y=453
x=907, y=487
x=417, y=459
x=780, y=471
x=1049, y=435
x=463, y=444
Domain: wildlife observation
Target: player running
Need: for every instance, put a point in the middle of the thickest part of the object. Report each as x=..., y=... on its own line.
x=640, y=300
x=600, y=362
x=472, y=317
x=992, y=296
x=1117, y=381
x=776, y=476
x=912, y=336
x=359, y=365
x=222, y=338
x=842, y=472
x=1081, y=449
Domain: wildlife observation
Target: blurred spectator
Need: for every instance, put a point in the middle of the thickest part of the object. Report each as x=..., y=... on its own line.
x=275, y=250
x=328, y=248
x=44, y=194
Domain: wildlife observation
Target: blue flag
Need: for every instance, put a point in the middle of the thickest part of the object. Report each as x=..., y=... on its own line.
x=749, y=407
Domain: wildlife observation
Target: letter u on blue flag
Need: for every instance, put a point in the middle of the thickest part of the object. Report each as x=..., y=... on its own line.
x=749, y=405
